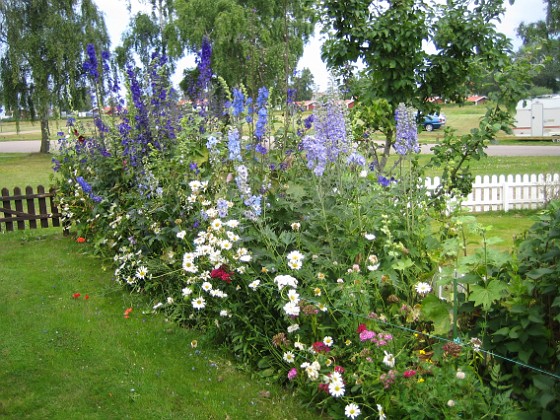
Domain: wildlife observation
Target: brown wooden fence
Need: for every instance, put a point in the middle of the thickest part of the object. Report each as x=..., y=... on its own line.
x=28, y=211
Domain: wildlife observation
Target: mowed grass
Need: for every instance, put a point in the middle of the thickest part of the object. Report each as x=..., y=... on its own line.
x=23, y=169
x=67, y=358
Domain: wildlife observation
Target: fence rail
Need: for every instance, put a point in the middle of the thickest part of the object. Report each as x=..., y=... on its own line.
x=30, y=210
x=511, y=192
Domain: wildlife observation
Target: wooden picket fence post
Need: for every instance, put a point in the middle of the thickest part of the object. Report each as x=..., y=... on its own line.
x=20, y=211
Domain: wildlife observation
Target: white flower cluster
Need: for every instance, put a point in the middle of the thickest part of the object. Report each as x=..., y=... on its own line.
x=295, y=260
x=336, y=385
x=312, y=369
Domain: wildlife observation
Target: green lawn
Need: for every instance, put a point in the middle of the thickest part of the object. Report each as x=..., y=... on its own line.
x=67, y=358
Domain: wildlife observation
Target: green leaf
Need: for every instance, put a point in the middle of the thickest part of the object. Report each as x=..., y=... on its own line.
x=486, y=296
x=402, y=264
x=437, y=311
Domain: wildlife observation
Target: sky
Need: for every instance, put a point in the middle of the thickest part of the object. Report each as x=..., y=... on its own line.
x=116, y=19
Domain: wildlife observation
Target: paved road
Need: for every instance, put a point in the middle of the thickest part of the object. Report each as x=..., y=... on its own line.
x=33, y=146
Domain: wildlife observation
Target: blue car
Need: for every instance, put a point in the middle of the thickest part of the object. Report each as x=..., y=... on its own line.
x=432, y=122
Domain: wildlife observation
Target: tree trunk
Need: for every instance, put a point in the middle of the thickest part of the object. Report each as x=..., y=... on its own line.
x=44, y=135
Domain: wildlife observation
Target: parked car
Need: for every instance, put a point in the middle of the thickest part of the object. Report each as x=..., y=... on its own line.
x=432, y=122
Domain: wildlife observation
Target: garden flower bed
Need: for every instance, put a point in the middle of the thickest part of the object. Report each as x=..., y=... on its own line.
x=309, y=263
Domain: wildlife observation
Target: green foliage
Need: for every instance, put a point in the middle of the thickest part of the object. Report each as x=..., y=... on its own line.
x=41, y=64
x=255, y=43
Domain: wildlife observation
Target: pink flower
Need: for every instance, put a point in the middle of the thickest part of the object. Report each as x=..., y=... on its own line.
x=339, y=369
x=292, y=373
x=409, y=373
x=366, y=335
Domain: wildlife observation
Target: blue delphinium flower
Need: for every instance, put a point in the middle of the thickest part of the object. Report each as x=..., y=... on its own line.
x=406, y=139
x=308, y=122
x=242, y=180
x=86, y=188
x=316, y=154
x=234, y=145
x=291, y=96
x=356, y=159
x=262, y=120
x=254, y=203
x=90, y=65
x=211, y=143
x=223, y=207
x=249, y=106
x=330, y=137
x=260, y=129
x=204, y=64
x=237, y=104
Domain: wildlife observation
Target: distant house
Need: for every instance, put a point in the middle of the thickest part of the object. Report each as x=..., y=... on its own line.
x=476, y=99
x=307, y=105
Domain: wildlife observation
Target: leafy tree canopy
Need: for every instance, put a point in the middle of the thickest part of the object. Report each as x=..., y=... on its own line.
x=254, y=42
x=42, y=50
x=414, y=49
x=541, y=45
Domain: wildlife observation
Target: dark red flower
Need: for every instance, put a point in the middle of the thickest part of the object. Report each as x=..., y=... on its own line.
x=361, y=328
x=321, y=347
x=409, y=373
x=86, y=297
x=339, y=369
x=76, y=295
x=222, y=274
x=324, y=387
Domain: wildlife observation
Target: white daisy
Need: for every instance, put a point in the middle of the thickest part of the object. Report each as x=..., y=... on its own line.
x=216, y=224
x=328, y=341
x=254, y=284
x=352, y=411
x=295, y=256
x=206, y=286
x=142, y=272
x=293, y=296
x=182, y=234
x=289, y=357
x=186, y=291
x=198, y=303
x=422, y=288
x=336, y=389
x=294, y=265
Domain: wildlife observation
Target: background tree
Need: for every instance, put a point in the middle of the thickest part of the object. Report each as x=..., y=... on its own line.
x=541, y=44
x=390, y=39
x=148, y=34
x=43, y=47
x=254, y=42
x=304, y=84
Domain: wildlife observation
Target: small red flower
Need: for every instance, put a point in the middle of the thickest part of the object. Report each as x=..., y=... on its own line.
x=321, y=347
x=339, y=369
x=127, y=312
x=81, y=239
x=221, y=273
x=361, y=328
x=86, y=297
x=409, y=373
x=323, y=387
x=76, y=295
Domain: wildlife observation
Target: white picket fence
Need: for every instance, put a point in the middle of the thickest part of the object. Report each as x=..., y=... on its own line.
x=500, y=192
